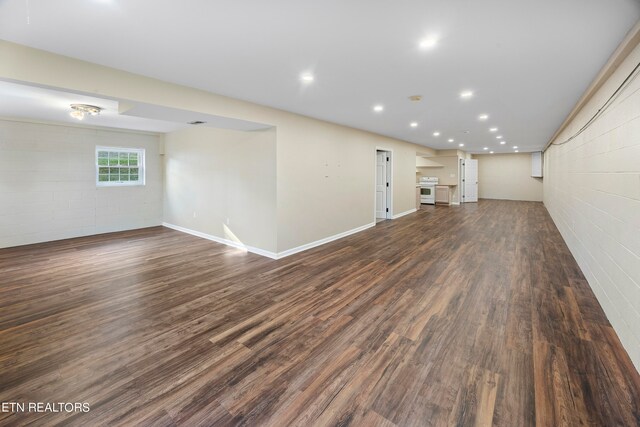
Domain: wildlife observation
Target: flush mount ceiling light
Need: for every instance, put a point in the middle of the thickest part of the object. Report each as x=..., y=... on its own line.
x=81, y=110
x=483, y=117
x=465, y=94
x=378, y=108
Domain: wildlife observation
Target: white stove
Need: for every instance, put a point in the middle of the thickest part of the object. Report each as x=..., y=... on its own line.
x=428, y=189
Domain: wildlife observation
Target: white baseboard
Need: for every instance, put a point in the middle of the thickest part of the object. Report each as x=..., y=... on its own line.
x=269, y=254
x=227, y=242
x=410, y=211
x=323, y=241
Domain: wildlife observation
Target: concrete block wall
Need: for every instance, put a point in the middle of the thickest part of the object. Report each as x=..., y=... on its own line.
x=48, y=189
x=592, y=191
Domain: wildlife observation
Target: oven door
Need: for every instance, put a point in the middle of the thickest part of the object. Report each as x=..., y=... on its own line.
x=428, y=194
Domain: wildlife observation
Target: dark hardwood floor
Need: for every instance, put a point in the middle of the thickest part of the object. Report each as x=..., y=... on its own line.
x=474, y=315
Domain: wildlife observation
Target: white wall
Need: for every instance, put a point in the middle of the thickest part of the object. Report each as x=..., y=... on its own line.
x=222, y=183
x=592, y=191
x=508, y=177
x=48, y=189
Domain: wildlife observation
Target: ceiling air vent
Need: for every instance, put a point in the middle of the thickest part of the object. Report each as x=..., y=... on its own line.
x=197, y=122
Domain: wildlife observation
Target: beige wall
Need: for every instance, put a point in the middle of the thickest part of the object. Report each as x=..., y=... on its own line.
x=507, y=176
x=325, y=172
x=326, y=179
x=48, y=184
x=222, y=183
x=448, y=174
x=592, y=191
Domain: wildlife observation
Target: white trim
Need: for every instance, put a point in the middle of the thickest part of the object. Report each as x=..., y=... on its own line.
x=227, y=242
x=410, y=211
x=323, y=241
x=141, y=167
x=270, y=254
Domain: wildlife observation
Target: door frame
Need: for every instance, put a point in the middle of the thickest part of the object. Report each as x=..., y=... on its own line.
x=389, y=168
x=461, y=181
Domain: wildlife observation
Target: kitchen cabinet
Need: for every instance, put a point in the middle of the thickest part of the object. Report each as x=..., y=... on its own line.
x=443, y=195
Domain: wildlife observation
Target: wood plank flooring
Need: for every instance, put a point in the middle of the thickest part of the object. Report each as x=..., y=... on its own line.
x=469, y=316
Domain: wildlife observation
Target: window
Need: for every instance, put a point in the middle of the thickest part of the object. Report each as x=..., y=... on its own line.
x=119, y=166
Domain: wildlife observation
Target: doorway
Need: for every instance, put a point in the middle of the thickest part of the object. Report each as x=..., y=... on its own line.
x=383, y=198
x=469, y=175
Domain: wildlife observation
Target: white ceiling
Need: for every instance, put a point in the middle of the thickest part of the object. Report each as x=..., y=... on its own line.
x=528, y=62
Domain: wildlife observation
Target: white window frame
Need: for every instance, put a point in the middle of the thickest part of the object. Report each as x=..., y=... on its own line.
x=141, y=167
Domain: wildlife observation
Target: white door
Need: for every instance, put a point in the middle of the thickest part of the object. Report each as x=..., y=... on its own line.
x=381, y=184
x=470, y=180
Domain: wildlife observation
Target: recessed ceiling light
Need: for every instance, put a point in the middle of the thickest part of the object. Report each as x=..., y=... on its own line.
x=515, y=147
x=483, y=117
x=436, y=133
x=450, y=140
x=413, y=124
x=428, y=42
x=378, y=108
x=461, y=145
x=493, y=129
x=517, y=151
x=503, y=142
x=499, y=137
x=490, y=152
x=466, y=94
x=307, y=78
x=485, y=148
